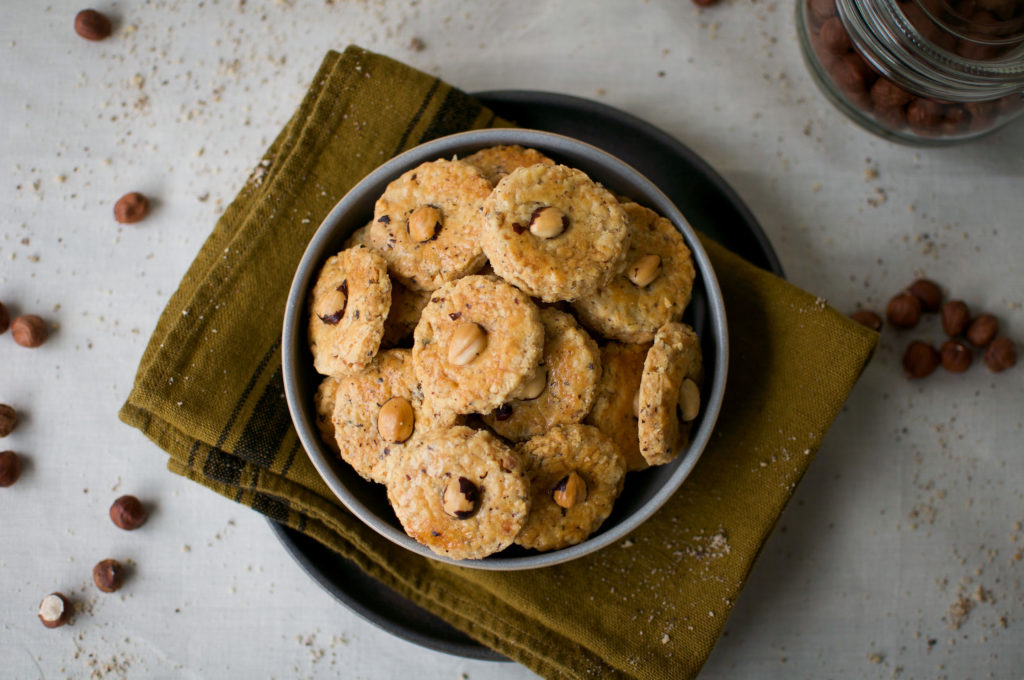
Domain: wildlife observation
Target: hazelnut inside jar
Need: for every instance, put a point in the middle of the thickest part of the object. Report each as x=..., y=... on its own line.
x=925, y=72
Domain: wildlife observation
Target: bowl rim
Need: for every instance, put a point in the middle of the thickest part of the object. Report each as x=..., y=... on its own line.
x=293, y=339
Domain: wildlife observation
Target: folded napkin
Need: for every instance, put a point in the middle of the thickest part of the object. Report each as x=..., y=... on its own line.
x=209, y=392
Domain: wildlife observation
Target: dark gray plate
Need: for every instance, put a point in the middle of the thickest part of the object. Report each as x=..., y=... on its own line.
x=710, y=206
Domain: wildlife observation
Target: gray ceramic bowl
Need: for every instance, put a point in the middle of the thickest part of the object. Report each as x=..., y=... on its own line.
x=644, y=491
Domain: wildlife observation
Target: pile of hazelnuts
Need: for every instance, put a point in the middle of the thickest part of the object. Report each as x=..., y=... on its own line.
x=920, y=359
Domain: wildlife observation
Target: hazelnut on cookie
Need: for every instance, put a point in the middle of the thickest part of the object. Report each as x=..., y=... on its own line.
x=669, y=392
x=555, y=233
x=427, y=223
x=348, y=306
x=652, y=290
x=477, y=341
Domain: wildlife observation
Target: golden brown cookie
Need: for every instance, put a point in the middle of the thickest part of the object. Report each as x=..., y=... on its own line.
x=576, y=473
x=616, y=406
x=348, y=306
x=563, y=387
x=553, y=232
x=404, y=314
x=477, y=340
x=669, y=392
x=379, y=412
x=427, y=224
x=324, y=402
x=496, y=162
x=460, y=492
x=654, y=288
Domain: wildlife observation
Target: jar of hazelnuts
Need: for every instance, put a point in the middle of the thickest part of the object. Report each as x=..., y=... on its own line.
x=926, y=72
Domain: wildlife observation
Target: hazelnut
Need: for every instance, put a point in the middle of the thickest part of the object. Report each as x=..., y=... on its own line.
x=467, y=341
x=865, y=317
x=689, y=400
x=887, y=94
x=424, y=223
x=636, y=404
x=644, y=270
x=570, y=491
x=5, y=319
x=983, y=114
x=924, y=117
x=548, y=222
x=128, y=513
x=10, y=468
x=395, y=420
x=108, y=575
x=928, y=292
x=55, y=610
x=955, y=317
x=131, y=208
x=893, y=117
x=335, y=300
x=29, y=330
x=503, y=412
x=459, y=499
x=904, y=310
x=92, y=25
x=534, y=387
x=956, y=120
x=920, y=359
x=8, y=420
x=833, y=36
x=982, y=329
x=956, y=356
x=822, y=10
x=1001, y=354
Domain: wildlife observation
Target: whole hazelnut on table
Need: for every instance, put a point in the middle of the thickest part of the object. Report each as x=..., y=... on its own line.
x=982, y=330
x=128, y=513
x=5, y=319
x=29, y=330
x=8, y=420
x=920, y=359
x=1001, y=354
x=865, y=317
x=956, y=356
x=92, y=25
x=928, y=292
x=955, y=317
x=904, y=310
x=108, y=575
x=55, y=610
x=131, y=208
x=10, y=468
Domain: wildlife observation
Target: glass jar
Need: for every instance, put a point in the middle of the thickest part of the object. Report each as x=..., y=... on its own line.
x=928, y=72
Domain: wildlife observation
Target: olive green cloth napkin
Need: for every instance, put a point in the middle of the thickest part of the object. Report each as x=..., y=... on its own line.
x=209, y=392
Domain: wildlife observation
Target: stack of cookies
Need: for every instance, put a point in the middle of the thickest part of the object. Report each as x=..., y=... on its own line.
x=502, y=344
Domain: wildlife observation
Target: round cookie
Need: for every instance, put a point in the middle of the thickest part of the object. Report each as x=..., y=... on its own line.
x=615, y=408
x=362, y=402
x=460, y=492
x=404, y=314
x=348, y=306
x=576, y=473
x=563, y=387
x=324, y=402
x=553, y=232
x=669, y=392
x=427, y=223
x=496, y=162
x=654, y=288
x=477, y=340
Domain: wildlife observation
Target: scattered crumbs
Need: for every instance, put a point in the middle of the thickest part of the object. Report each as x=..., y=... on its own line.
x=665, y=639
x=628, y=543
x=417, y=45
x=186, y=548
x=816, y=187
x=959, y=611
x=870, y=174
x=875, y=657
